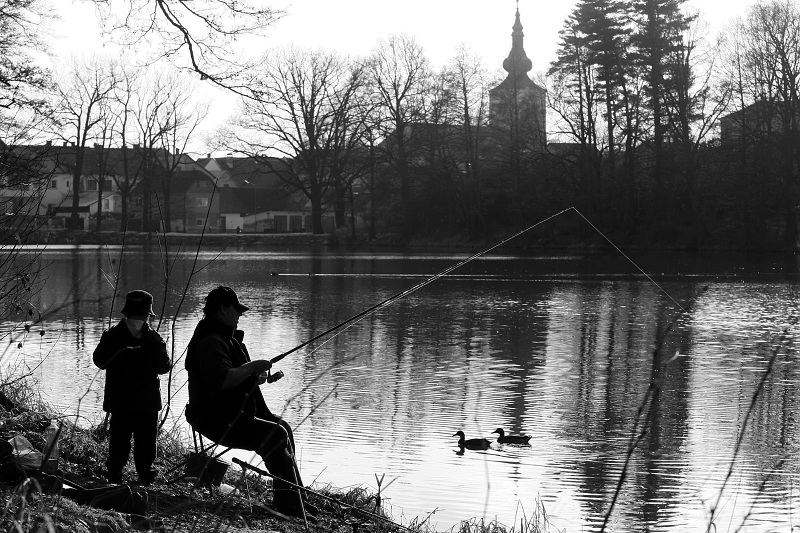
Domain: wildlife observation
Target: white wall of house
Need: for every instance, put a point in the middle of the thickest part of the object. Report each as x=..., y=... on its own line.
x=258, y=222
x=111, y=204
x=278, y=221
x=233, y=221
x=62, y=183
x=60, y=188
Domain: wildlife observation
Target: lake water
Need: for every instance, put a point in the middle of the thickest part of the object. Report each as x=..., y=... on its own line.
x=557, y=347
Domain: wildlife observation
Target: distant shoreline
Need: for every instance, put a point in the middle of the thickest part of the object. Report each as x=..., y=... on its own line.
x=63, y=237
x=50, y=236
x=46, y=236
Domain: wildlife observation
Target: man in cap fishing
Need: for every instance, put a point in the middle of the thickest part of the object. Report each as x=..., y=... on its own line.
x=226, y=404
x=133, y=355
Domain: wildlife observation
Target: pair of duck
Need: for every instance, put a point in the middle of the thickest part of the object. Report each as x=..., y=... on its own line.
x=483, y=444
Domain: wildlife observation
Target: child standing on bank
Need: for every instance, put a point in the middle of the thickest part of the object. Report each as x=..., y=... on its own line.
x=133, y=355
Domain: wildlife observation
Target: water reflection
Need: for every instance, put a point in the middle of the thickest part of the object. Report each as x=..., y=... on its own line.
x=534, y=345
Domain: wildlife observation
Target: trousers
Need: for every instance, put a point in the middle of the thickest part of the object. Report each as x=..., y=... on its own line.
x=273, y=440
x=143, y=428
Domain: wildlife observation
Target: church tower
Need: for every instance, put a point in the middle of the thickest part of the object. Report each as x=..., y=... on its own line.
x=517, y=106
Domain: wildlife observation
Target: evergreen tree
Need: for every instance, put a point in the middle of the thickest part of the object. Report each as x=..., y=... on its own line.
x=574, y=81
x=659, y=26
x=590, y=66
x=602, y=21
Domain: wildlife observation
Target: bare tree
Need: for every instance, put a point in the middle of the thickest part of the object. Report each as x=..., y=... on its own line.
x=695, y=107
x=77, y=112
x=102, y=152
x=369, y=178
x=203, y=34
x=178, y=120
x=302, y=107
x=156, y=116
x=471, y=96
x=765, y=66
x=154, y=103
x=457, y=119
x=128, y=173
x=468, y=80
x=400, y=76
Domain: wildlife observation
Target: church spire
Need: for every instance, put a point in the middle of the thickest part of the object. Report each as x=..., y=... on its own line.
x=517, y=63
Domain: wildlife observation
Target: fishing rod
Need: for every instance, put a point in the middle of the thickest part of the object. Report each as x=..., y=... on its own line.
x=406, y=292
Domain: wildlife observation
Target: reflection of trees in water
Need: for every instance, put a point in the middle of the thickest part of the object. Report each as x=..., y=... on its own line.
x=521, y=346
x=615, y=366
x=667, y=425
x=769, y=440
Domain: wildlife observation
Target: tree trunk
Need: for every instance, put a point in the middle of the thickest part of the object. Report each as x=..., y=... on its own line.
x=98, y=225
x=76, y=189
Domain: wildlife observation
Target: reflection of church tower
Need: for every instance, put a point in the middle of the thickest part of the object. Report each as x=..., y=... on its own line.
x=517, y=105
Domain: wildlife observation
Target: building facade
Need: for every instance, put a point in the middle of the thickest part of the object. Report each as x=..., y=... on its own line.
x=517, y=107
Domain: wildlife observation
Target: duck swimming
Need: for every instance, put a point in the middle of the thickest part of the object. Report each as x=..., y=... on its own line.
x=511, y=439
x=472, y=444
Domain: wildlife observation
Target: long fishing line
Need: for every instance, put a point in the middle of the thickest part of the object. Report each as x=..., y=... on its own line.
x=623, y=254
x=355, y=319
x=343, y=326
x=402, y=294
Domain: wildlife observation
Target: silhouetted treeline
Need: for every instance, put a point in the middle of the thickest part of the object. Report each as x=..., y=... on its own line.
x=658, y=137
x=659, y=132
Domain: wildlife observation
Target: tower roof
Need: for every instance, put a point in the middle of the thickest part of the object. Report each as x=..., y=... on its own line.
x=517, y=63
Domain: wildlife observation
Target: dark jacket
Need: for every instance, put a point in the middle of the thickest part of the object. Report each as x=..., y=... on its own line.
x=213, y=349
x=132, y=366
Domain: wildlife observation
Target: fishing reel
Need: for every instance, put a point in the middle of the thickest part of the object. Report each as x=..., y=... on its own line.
x=272, y=378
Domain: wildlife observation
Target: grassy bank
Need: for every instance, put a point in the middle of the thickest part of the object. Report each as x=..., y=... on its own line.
x=37, y=502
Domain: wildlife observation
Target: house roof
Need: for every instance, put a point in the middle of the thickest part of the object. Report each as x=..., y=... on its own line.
x=85, y=199
x=179, y=181
x=63, y=158
x=261, y=172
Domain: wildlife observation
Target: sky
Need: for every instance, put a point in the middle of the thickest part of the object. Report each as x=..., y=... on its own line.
x=354, y=27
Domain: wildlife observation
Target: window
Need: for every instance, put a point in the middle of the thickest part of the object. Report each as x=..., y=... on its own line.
x=199, y=222
x=105, y=204
x=54, y=183
x=91, y=185
x=202, y=202
x=106, y=185
x=202, y=184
